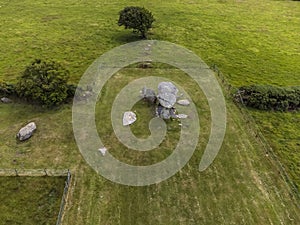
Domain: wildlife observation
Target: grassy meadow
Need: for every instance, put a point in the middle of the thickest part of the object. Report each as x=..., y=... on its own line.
x=251, y=42
x=21, y=204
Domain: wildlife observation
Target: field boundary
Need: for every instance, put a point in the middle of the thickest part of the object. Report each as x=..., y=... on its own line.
x=64, y=199
x=34, y=172
x=41, y=173
x=256, y=132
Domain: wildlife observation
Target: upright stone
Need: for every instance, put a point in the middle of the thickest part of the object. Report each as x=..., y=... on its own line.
x=167, y=94
x=148, y=94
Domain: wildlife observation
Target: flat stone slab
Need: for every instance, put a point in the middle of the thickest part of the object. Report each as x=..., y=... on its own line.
x=26, y=132
x=129, y=117
x=183, y=102
x=182, y=116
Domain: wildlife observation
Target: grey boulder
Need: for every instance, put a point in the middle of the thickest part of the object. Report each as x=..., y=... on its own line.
x=165, y=113
x=148, y=94
x=26, y=132
x=167, y=94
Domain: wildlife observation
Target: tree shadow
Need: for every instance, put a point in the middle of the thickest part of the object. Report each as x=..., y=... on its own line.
x=127, y=37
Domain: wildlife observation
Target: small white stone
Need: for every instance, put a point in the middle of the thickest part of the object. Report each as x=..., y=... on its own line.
x=184, y=102
x=102, y=150
x=182, y=116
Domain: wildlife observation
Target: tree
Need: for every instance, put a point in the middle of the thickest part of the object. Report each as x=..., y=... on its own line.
x=137, y=18
x=44, y=82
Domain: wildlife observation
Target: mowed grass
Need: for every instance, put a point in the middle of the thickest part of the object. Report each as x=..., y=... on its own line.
x=30, y=200
x=250, y=41
x=240, y=187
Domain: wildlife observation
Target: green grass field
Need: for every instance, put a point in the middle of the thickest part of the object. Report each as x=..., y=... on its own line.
x=252, y=42
x=30, y=200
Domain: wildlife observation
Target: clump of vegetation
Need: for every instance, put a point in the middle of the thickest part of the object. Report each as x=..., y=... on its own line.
x=6, y=89
x=44, y=82
x=137, y=18
x=267, y=97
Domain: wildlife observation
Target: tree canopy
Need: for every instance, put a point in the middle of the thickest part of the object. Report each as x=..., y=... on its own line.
x=137, y=18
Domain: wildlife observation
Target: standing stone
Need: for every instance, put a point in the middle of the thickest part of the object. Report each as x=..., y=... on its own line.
x=129, y=118
x=165, y=113
x=167, y=94
x=26, y=132
x=148, y=94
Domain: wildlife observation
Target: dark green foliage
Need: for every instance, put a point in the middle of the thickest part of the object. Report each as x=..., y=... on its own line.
x=268, y=97
x=44, y=83
x=71, y=90
x=137, y=18
x=6, y=89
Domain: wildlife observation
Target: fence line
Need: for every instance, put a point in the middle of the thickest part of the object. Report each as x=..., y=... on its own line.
x=258, y=134
x=64, y=199
x=34, y=172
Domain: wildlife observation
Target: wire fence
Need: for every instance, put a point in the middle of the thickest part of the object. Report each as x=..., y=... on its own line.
x=257, y=133
x=64, y=199
x=44, y=172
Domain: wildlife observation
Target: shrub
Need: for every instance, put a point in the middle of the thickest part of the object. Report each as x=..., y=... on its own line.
x=44, y=83
x=6, y=89
x=268, y=97
x=71, y=90
x=137, y=18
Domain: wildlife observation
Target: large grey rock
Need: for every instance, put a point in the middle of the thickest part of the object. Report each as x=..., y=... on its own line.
x=165, y=113
x=26, y=132
x=148, y=94
x=129, y=118
x=6, y=100
x=184, y=102
x=167, y=94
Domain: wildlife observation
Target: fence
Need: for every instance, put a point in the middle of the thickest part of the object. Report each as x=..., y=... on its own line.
x=258, y=134
x=64, y=199
x=44, y=172
x=34, y=172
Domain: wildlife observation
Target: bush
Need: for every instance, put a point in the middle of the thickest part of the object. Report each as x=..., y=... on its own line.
x=44, y=83
x=137, y=18
x=71, y=90
x=268, y=97
x=6, y=89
